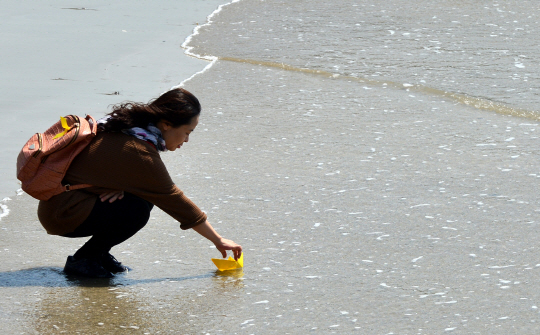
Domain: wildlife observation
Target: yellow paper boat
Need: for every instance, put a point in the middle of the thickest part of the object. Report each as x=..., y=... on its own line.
x=229, y=264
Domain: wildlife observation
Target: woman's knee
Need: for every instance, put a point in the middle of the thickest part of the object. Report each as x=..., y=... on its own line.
x=137, y=211
x=129, y=215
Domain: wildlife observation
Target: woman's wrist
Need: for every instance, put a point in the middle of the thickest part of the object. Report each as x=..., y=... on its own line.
x=218, y=241
x=206, y=230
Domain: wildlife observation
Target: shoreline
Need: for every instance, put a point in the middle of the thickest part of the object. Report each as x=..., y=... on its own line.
x=188, y=49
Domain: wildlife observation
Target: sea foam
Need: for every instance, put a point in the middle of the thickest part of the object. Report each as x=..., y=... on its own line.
x=4, y=210
x=189, y=49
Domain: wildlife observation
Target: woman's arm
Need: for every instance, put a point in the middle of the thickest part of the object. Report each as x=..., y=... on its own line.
x=206, y=230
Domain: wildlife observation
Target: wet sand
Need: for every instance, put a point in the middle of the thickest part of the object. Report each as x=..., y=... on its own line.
x=360, y=210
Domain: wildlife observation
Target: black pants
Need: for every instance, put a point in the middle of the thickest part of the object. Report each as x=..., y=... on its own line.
x=110, y=224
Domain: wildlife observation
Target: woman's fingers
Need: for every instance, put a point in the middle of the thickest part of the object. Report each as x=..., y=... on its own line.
x=225, y=245
x=111, y=196
x=237, y=253
x=105, y=196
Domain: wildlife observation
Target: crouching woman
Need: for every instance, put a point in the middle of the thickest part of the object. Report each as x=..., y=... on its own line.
x=129, y=178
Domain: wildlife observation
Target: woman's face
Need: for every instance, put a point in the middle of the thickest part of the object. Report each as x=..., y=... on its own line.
x=176, y=136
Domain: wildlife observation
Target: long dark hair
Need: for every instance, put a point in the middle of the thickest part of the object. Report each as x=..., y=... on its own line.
x=176, y=106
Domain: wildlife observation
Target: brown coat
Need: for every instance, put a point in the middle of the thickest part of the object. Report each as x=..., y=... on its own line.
x=116, y=161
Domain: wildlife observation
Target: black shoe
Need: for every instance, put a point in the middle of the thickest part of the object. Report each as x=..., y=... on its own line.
x=88, y=267
x=112, y=264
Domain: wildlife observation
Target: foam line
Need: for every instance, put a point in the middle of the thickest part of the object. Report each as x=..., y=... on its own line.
x=464, y=99
x=189, y=49
x=4, y=210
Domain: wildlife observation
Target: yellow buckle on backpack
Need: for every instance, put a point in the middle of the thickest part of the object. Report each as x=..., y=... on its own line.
x=67, y=128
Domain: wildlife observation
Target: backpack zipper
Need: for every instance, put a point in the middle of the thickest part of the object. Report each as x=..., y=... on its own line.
x=38, y=151
x=76, y=125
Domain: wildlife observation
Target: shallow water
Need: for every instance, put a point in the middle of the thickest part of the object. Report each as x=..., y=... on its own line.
x=483, y=51
x=362, y=207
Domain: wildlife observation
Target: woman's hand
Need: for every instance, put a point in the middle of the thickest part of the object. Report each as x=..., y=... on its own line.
x=223, y=245
x=111, y=196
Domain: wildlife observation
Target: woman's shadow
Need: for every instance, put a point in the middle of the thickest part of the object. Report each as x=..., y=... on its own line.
x=55, y=277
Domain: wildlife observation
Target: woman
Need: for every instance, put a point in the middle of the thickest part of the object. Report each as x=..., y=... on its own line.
x=123, y=164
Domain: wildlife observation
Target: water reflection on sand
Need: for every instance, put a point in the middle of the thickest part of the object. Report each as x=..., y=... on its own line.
x=69, y=304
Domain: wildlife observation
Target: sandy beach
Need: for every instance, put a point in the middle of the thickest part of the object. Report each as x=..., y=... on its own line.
x=362, y=208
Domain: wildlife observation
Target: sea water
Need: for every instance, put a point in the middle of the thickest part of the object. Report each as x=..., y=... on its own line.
x=376, y=160
x=480, y=53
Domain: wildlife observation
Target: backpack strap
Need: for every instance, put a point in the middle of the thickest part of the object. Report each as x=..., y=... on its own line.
x=69, y=187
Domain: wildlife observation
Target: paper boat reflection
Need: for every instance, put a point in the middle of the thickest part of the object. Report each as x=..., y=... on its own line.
x=229, y=264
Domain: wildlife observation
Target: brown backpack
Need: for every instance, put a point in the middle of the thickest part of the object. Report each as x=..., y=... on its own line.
x=45, y=158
